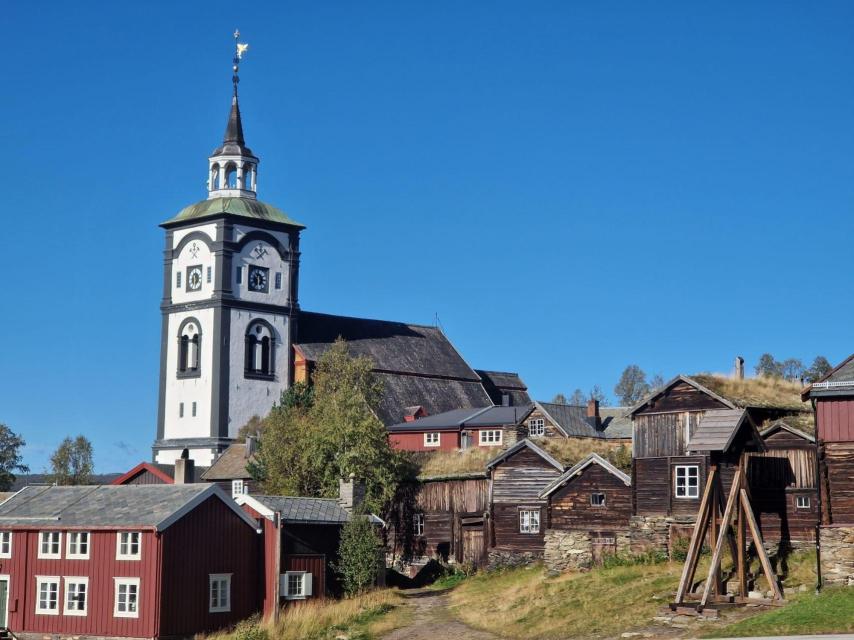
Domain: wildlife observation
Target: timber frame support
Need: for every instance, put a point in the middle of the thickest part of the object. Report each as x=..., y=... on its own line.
x=736, y=515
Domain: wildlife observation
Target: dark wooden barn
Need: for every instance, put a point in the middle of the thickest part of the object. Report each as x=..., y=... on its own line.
x=783, y=485
x=668, y=477
x=137, y=561
x=517, y=477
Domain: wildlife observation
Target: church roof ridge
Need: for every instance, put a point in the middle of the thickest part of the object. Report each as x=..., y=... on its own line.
x=242, y=207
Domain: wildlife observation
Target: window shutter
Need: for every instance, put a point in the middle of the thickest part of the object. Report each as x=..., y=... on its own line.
x=283, y=585
x=306, y=584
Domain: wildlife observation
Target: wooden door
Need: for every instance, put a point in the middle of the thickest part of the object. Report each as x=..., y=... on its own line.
x=474, y=546
x=602, y=543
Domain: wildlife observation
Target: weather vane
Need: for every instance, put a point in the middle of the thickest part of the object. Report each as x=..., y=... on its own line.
x=239, y=49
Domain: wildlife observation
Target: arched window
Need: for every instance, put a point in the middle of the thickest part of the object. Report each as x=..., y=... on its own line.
x=214, y=179
x=230, y=176
x=189, y=349
x=248, y=177
x=259, y=356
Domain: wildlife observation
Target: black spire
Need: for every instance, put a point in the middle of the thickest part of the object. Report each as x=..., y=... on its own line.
x=234, y=129
x=233, y=142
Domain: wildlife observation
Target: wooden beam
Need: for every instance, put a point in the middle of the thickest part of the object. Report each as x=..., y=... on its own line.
x=697, y=536
x=741, y=559
x=713, y=575
x=760, y=548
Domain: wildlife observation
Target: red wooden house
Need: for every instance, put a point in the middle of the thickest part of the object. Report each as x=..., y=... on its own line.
x=833, y=400
x=129, y=561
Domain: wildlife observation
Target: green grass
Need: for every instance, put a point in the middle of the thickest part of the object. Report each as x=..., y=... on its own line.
x=448, y=581
x=832, y=611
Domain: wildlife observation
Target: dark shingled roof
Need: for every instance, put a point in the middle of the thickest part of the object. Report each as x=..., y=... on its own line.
x=569, y=474
x=460, y=418
x=231, y=465
x=298, y=509
x=417, y=364
x=498, y=383
x=839, y=382
x=149, y=505
x=572, y=419
x=616, y=424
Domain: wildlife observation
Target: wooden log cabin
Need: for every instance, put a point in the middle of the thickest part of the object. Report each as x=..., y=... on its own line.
x=668, y=477
x=592, y=495
x=783, y=485
x=517, y=477
x=547, y=420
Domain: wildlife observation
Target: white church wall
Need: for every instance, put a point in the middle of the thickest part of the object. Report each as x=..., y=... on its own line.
x=249, y=397
x=208, y=229
x=189, y=390
x=194, y=253
x=261, y=254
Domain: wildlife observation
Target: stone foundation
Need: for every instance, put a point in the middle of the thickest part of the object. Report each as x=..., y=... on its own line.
x=566, y=550
x=837, y=555
x=504, y=558
x=657, y=533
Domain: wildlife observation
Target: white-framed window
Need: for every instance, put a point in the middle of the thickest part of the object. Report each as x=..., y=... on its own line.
x=432, y=439
x=418, y=524
x=529, y=521
x=128, y=545
x=687, y=480
x=5, y=544
x=491, y=437
x=802, y=502
x=597, y=499
x=126, y=601
x=47, y=595
x=50, y=544
x=76, y=596
x=295, y=585
x=77, y=545
x=536, y=427
x=239, y=488
x=220, y=592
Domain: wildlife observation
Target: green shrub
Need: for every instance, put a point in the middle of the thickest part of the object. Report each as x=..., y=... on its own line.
x=633, y=559
x=358, y=551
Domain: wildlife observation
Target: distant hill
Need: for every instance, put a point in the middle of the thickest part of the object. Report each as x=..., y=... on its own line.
x=44, y=478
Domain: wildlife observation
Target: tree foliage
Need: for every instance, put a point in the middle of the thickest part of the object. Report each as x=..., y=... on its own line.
x=768, y=366
x=314, y=437
x=559, y=399
x=11, y=459
x=819, y=368
x=577, y=398
x=71, y=463
x=358, y=556
x=632, y=386
x=596, y=393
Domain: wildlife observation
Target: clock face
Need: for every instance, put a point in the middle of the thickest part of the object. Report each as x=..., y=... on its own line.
x=194, y=278
x=258, y=280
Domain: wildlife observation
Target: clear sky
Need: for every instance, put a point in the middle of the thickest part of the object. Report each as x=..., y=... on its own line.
x=570, y=186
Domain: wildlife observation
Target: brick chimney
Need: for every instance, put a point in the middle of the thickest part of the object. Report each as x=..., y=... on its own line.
x=351, y=494
x=739, y=368
x=593, y=417
x=184, y=467
x=411, y=414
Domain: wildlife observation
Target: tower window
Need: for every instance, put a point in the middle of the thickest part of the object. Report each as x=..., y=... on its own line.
x=260, y=342
x=189, y=346
x=278, y=279
x=231, y=176
x=209, y=275
x=178, y=280
x=194, y=409
x=238, y=275
x=180, y=409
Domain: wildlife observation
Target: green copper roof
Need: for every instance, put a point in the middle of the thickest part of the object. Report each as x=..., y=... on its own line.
x=243, y=207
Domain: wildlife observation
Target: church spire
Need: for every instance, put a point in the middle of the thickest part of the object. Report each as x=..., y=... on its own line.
x=233, y=167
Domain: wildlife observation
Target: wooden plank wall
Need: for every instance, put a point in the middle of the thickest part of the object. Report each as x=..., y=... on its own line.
x=570, y=507
x=663, y=434
x=837, y=482
x=521, y=477
x=506, y=527
x=652, y=479
x=835, y=419
x=681, y=397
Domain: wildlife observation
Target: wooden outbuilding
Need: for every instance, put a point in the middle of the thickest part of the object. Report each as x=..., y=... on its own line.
x=517, y=477
x=134, y=561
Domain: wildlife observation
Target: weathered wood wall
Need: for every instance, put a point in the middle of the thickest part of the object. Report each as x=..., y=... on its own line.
x=505, y=519
x=653, y=482
x=681, y=397
x=837, y=482
x=835, y=419
x=570, y=507
x=664, y=434
x=521, y=477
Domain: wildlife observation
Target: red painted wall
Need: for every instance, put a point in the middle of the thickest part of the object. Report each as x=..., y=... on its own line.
x=100, y=568
x=835, y=419
x=448, y=441
x=209, y=539
x=315, y=564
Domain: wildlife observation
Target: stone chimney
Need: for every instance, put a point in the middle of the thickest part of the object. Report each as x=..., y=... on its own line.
x=184, y=467
x=739, y=368
x=351, y=494
x=593, y=417
x=505, y=399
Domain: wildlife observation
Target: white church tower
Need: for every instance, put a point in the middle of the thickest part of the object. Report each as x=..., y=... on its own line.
x=230, y=274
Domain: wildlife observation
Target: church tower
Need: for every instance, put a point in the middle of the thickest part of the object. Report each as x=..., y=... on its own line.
x=229, y=307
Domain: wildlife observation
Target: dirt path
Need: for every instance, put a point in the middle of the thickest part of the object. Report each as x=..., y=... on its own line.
x=433, y=621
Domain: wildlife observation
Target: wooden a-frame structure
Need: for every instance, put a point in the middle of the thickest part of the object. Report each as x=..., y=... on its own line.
x=726, y=435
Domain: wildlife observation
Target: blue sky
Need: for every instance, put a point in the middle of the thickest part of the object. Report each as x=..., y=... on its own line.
x=571, y=187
